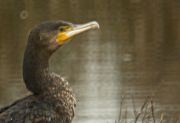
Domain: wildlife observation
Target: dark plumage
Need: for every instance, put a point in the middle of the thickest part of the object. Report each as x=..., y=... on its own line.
x=52, y=100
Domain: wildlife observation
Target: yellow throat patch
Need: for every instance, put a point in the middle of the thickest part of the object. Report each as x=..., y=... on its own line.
x=61, y=38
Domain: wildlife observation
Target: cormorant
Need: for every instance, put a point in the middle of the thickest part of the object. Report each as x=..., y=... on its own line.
x=52, y=99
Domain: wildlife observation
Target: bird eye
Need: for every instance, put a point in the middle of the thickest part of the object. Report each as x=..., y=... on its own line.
x=63, y=28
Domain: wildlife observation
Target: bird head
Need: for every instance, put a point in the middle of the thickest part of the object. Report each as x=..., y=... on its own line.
x=53, y=34
x=43, y=40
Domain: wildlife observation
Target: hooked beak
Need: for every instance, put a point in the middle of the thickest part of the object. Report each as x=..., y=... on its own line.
x=62, y=37
x=77, y=29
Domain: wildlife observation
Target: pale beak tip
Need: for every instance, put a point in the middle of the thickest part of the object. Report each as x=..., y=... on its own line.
x=95, y=24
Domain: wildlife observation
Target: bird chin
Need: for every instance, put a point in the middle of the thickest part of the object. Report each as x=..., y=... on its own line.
x=53, y=45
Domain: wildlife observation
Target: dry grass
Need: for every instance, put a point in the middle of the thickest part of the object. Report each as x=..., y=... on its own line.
x=145, y=114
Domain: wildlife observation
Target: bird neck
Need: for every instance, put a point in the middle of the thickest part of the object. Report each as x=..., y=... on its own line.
x=36, y=69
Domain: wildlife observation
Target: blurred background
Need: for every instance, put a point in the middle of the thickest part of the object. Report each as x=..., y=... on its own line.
x=135, y=52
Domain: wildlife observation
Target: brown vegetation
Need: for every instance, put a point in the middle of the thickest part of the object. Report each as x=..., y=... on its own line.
x=145, y=114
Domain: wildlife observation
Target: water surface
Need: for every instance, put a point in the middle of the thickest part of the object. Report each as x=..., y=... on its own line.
x=136, y=52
